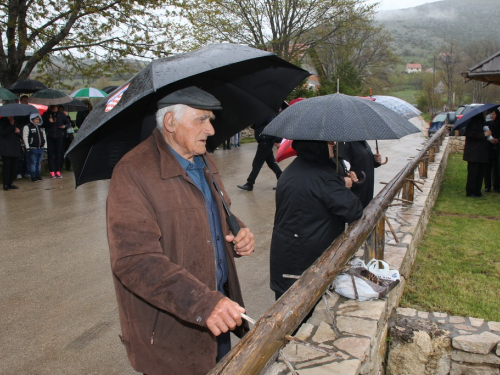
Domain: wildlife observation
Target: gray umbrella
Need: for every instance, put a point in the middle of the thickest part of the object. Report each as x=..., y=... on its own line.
x=339, y=117
x=49, y=97
x=7, y=95
x=17, y=109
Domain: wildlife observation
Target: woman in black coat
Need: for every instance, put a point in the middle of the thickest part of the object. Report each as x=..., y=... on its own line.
x=492, y=176
x=312, y=207
x=10, y=150
x=476, y=154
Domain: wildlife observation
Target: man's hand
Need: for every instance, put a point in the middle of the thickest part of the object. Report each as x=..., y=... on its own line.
x=225, y=316
x=352, y=176
x=244, y=242
x=348, y=182
x=494, y=141
x=378, y=158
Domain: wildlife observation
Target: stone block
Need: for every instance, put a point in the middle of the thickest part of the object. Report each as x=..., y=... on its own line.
x=460, y=356
x=457, y=319
x=299, y=353
x=498, y=350
x=324, y=333
x=334, y=368
x=356, y=346
x=494, y=326
x=315, y=363
x=465, y=327
x=406, y=311
x=357, y=326
x=374, y=310
x=476, y=322
x=440, y=315
x=423, y=314
x=465, y=369
x=275, y=369
x=304, y=331
x=480, y=344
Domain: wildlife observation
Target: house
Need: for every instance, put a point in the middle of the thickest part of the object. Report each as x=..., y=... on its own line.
x=413, y=68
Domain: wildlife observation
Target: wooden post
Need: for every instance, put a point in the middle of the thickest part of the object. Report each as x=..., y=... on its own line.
x=254, y=350
x=375, y=242
x=431, y=154
x=422, y=168
x=409, y=189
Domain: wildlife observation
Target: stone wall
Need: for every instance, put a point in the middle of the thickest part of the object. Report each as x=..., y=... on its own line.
x=457, y=145
x=425, y=343
x=356, y=342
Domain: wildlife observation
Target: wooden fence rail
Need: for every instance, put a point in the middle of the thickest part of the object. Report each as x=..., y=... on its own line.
x=252, y=353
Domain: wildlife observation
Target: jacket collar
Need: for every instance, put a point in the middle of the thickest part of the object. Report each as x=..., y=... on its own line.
x=169, y=166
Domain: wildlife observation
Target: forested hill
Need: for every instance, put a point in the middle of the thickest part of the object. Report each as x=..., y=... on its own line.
x=423, y=29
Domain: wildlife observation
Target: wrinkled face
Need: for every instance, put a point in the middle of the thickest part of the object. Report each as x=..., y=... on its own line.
x=188, y=134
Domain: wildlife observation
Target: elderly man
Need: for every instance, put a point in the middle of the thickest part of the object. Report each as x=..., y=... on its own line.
x=171, y=250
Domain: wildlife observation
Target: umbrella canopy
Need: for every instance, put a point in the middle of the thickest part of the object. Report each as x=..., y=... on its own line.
x=109, y=89
x=7, y=95
x=27, y=86
x=251, y=84
x=465, y=119
x=49, y=97
x=339, y=117
x=405, y=109
x=17, y=109
x=88, y=92
x=74, y=106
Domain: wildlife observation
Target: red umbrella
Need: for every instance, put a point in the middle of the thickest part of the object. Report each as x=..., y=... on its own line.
x=285, y=150
x=41, y=108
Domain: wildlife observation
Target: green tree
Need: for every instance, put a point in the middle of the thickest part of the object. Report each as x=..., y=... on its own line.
x=288, y=28
x=52, y=34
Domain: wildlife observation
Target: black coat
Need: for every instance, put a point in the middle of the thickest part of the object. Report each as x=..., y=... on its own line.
x=312, y=207
x=10, y=142
x=360, y=156
x=52, y=129
x=476, y=148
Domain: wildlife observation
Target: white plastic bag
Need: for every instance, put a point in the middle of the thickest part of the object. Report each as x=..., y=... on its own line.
x=382, y=271
x=343, y=286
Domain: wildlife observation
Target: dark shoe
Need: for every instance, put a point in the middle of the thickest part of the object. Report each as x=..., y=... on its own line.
x=34, y=179
x=246, y=187
x=12, y=186
x=6, y=187
x=39, y=178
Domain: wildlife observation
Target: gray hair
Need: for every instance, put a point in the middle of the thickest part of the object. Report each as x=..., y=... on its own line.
x=176, y=109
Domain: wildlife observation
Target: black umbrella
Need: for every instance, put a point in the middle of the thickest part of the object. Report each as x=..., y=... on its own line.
x=109, y=89
x=27, y=86
x=465, y=119
x=339, y=117
x=251, y=84
x=17, y=109
x=49, y=97
x=74, y=106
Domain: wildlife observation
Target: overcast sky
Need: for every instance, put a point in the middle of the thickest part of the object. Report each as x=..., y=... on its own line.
x=399, y=4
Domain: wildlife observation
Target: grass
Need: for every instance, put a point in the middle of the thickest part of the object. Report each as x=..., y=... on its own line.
x=408, y=95
x=457, y=269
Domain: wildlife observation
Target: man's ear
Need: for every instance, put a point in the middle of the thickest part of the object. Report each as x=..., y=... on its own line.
x=168, y=122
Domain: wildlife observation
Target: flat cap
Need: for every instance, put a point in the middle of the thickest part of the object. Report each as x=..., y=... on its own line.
x=191, y=96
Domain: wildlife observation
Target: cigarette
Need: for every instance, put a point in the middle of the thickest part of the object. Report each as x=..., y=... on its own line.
x=247, y=318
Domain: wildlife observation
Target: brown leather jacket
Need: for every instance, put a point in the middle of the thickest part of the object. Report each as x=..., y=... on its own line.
x=163, y=261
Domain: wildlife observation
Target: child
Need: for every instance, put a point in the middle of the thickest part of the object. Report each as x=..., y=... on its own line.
x=35, y=141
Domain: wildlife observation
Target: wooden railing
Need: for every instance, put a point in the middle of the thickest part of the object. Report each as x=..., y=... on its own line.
x=252, y=353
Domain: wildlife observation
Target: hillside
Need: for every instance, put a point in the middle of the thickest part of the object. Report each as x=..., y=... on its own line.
x=421, y=30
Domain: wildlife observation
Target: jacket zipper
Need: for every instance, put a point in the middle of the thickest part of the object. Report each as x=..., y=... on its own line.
x=154, y=327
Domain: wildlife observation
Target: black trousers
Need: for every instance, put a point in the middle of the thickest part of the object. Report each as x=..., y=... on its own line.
x=9, y=169
x=264, y=154
x=55, y=153
x=475, y=176
x=492, y=175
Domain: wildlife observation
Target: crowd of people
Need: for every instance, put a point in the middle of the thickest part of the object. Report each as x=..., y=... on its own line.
x=24, y=140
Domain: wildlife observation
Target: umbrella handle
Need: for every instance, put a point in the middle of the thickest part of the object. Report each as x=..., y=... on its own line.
x=360, y=181
x=385, y=162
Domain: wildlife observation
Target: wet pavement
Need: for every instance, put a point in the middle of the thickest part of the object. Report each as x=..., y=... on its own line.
x=58, y=311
